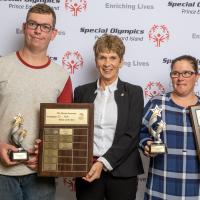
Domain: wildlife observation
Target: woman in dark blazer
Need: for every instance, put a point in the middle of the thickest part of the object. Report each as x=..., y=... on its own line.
x=118, y=108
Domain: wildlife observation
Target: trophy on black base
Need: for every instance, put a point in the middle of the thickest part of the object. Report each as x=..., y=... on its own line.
x=155, y=128
x=17, y=135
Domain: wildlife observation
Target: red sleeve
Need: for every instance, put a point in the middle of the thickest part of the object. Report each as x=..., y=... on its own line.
x=66, y=95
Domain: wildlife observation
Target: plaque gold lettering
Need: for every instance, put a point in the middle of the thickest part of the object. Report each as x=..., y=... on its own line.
x=50, y=167
x=50, y=138
x=65, y=146
x=51, y=145
x=68, y=116
x=51, y=131
x=52, y=160
x=66, y=138
x=50, y=152
x=66, y=131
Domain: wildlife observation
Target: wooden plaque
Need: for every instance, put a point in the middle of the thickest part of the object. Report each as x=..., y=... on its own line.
x=66, y=131
x=195, y=116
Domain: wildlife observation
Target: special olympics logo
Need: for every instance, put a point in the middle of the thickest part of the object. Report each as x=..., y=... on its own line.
x=158, y=34
x=153, y=89
x=72, y=61
x=75, y=7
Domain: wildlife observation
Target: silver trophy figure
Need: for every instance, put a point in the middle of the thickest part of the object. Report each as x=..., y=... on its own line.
x=16, y=137
x=155, y=128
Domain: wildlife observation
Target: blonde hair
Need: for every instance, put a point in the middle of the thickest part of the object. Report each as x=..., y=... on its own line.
x=108, y=42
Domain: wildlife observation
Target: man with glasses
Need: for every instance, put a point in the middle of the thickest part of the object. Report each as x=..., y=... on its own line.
x=28, y=77
x=176, y=173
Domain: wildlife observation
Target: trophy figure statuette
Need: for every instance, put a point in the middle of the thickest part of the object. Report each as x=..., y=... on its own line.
x=16, y=137
x=155, y=128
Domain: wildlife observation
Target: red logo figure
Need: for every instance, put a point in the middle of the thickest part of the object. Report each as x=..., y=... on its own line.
x=153, y=89
x=70, y=183
x=158, y=34
x=75, y=6
x=72, y=61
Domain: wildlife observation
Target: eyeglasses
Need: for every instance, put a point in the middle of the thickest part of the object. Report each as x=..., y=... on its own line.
x=185, y=74
x=43, y=27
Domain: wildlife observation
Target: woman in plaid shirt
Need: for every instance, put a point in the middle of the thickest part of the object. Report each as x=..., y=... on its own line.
x=173, y=175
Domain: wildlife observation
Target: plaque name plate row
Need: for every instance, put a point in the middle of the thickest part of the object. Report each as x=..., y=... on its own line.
x=66, y=131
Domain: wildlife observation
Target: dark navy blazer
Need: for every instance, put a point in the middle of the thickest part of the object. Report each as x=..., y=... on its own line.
x=123, y=155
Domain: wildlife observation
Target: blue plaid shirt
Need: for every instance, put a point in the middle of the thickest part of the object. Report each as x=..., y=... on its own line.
x=176, y=174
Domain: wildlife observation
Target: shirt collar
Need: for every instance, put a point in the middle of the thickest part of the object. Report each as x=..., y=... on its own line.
x=111, y=88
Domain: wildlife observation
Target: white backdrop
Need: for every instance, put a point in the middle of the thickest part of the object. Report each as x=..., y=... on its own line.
x=154, y=32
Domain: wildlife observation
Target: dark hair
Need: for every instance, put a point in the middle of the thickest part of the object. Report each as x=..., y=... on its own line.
x=42, y=8
x=108, y=42
x=192, y=60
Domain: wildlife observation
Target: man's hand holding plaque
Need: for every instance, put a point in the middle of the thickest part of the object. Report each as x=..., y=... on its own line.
x=156, y=127
x=17, y=135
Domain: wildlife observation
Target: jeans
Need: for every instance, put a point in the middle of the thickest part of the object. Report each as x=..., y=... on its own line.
x=28, y=187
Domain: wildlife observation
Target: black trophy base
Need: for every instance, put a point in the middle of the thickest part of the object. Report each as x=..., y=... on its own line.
x=157, y=148
x=20, y=155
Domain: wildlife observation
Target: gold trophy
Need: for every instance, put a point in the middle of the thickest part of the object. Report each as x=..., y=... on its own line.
x=155, y=128
x=17, y=135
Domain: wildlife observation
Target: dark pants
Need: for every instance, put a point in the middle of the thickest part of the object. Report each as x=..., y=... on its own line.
x=107, y=187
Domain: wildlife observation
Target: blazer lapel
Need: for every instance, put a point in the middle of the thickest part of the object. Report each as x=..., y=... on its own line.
x=120, y=92
x=120, y=98
x=92, y=93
